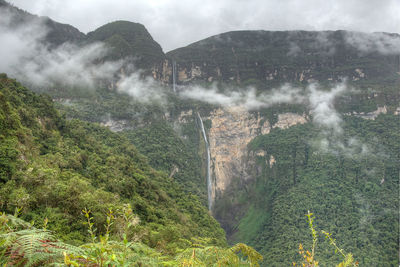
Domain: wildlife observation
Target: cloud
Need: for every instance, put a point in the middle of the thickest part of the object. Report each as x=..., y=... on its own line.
x=247, y=98
x=25, y=55
x=383, y=43
x=332, y=138
x=190, y=21
x=142, y=89
x=322, y=108
x=319, y=101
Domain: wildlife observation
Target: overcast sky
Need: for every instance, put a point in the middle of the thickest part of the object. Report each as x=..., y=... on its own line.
x=178, y=23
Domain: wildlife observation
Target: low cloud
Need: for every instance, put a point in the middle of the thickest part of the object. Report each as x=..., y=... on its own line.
x=319, y=101
x=142, y=89
x=383, y=43
x=25, y=55
x=247, y=98
x=325, y=43
x=322, y=107
x=209, y=17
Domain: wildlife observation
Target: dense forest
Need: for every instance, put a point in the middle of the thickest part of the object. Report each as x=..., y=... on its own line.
x=352, y=190
x=109, y=147
x=53, y=169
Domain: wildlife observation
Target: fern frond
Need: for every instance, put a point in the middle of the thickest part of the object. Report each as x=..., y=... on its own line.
x=32, y=247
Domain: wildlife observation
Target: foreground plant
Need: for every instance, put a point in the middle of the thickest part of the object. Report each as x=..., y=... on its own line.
x=21, y=244
x=309, y=257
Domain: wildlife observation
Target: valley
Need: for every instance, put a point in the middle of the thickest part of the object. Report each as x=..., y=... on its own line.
x=232, y=139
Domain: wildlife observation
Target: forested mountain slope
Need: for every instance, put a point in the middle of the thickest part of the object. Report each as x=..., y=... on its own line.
x=261, y=98
x=53, y=168
x=353, y=193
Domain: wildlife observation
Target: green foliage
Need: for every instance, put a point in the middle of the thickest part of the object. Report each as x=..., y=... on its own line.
x=309, y=257
x=265, y=59
x=341, y=186
x=23, y=245
x=170, y=153
x=216, y=256
x=128, y=39
x=52, y=167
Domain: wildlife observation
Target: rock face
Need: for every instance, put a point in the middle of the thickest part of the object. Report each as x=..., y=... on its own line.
x=116, y=125
x=231, y=131
x=373, y=114
x=286, y=120
x=245, y=57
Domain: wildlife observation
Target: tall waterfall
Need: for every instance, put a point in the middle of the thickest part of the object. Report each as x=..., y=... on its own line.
x=174, y=76
x=209, y=182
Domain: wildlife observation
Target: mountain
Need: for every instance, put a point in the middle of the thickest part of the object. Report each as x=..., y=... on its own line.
x=57, y=33
x=266, y=58
x=129, y=40
x=54, y=168
x=326, y=145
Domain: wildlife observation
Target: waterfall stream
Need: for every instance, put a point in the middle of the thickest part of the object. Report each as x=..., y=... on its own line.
x=174, y=76
x=209, y=183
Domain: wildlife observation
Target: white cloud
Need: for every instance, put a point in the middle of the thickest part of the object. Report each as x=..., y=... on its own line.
x=247, y=97
x=319, y=101
x=141, y=89
x=322, y=106
x=25, y=56
x=383, y=43
x=177, y=23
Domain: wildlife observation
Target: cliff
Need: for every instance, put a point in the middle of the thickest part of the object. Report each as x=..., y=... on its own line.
x=266, y=58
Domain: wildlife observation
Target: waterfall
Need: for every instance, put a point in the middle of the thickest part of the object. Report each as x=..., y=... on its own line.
x=209, y=183
x=174, y=76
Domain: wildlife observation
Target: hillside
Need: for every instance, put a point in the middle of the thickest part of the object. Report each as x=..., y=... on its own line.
x=353, y=194
x=129, y=40
x=264, y=125
x=53, y=168
x=56, y=33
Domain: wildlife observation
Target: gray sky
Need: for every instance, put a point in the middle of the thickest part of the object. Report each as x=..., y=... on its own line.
x=178, y=23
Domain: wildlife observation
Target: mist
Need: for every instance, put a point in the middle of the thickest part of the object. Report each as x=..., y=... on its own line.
x=26, y=56
x=383, y=43
x=318, y=100
x=247, y=97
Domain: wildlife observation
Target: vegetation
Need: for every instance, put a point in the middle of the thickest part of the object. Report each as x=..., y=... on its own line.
x=265, y=59
x=168, y=152
x=309, y=257
x=341, y=186
x=21, y=244
x=129, y=40
x=53, y=168
x=149, y=179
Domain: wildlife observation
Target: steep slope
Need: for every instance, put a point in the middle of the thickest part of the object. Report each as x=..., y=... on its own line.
x=353, y=193
x=265, y=172
x=57, y=33
x=129, y=40
x=265, y=58
x=54, y=168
